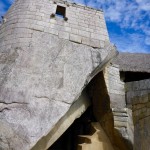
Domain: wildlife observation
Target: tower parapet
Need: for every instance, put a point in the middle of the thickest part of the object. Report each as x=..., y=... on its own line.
x=75, y=22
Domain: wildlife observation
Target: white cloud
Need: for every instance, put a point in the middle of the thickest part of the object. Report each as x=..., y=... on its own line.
x=129, y=14
x=144, y=4
x=133, y=43
x=112, y=15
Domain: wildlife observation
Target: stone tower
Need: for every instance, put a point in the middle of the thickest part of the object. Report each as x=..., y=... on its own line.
x=50, y=50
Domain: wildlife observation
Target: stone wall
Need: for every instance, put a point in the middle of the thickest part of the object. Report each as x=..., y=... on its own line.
x=116, y=91
x=141, y=120
x=136, y=89
x=138, y=100
x=84, y=25
x=115, y=86
x=109, y=106
x=131, y=111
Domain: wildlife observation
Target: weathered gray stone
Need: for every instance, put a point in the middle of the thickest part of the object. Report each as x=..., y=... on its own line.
x=42, y=73
x=75, y=111
x=75, y=38
x=39, y=83
x=121, y=119
x=120, y=124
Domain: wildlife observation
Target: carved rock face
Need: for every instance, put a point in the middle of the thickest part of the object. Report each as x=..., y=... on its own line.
x=41, y=76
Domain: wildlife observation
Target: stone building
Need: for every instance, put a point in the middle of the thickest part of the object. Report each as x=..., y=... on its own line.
x=60, y=84
x=135, y=73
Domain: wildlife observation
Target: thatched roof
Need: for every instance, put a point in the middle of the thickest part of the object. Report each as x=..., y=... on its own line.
x=134, y=62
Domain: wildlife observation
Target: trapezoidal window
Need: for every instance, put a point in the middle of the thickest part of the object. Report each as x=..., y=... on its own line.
x=61, y=11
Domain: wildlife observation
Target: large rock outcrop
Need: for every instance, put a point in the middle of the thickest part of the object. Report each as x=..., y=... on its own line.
x=42, y=74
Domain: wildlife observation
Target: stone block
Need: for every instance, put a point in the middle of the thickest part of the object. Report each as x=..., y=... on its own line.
x=39, y=14
x=96, y=36
x=42, y=23
x=67, y=29
x=95, y=43
x=75, y=38
x=56, y=26
x=116, y=86
x=90, y=30
x=117, y=100
x=74, y=26
x=53, y=21
x=86, y=41
x=104, y=38
x=60, y=21
x=23, y=25
x=113, y=91
x=84, y=33
x=73, y=21
x=69, y=15
x=120, y=110
x=120, y=118
x=85, y=24
x=120, y=114
x=120, y=124
x=81, y=20
x=92, y=27
x=74, y=31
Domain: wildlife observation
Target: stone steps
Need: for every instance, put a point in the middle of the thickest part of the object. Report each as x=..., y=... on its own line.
x=96, y=140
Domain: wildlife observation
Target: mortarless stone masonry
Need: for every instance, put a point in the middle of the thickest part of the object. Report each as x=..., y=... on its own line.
x=85, y=25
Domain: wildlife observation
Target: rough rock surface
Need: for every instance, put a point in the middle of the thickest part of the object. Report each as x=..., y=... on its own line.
x=44, y=68
x=38, y=85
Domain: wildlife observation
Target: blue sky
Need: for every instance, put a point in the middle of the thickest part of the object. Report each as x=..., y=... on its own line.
x=128, y=22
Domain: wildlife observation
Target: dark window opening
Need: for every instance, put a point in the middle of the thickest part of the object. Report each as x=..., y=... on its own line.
x=61, y=11
x=134, y=76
